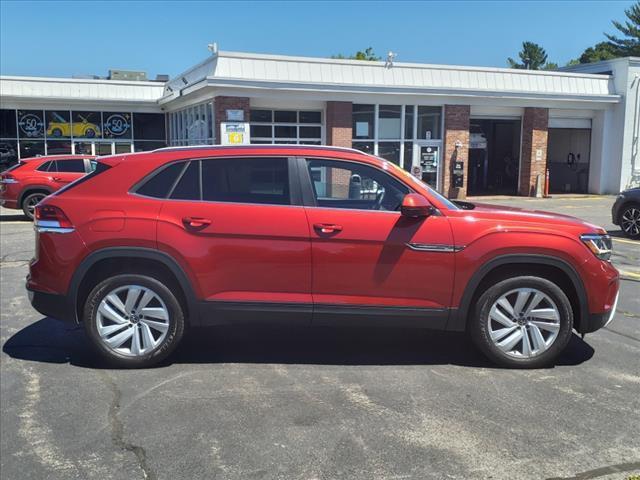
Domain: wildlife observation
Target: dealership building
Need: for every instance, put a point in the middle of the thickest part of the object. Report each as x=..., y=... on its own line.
x=465, y=130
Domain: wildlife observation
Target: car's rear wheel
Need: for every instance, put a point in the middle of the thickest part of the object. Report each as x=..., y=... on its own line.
x=522, y=322
x=30, y=201
x=630, y=221
x=133, y=320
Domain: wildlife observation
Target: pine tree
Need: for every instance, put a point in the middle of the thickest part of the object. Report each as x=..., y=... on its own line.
x=629, y=43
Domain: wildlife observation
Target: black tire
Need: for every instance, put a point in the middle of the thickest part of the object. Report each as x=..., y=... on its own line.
x=56, y=132
x=479, y=322
x=631, y=211
x=159, y=353
x=30, y=201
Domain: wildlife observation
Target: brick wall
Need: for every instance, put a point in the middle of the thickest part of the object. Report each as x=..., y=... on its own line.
x=338, y=124
x=220, y=107
x=535, y=125
x=456, y=130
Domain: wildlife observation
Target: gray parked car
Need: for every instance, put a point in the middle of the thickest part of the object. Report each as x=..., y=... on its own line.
x=626, y=212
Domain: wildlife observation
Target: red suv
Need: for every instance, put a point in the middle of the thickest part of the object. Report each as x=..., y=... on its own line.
x=25, y=184
x=153, y=242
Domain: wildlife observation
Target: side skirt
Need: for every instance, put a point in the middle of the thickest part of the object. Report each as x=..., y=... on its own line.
x=226, y=313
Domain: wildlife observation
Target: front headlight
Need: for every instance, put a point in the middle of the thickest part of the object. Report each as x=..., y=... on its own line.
x=600, y=244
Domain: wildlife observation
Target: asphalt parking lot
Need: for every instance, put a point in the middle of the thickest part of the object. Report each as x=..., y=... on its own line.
x=317, y=403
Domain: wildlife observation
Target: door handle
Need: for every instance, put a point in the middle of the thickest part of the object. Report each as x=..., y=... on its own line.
x=327, y=227
x=196, y=223
x=56, y=179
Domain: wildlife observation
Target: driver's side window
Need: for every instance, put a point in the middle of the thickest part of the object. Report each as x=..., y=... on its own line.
x=342, y=184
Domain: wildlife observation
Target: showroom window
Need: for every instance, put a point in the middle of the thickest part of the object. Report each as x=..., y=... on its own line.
x=192, y=126
x=286, y=126
x=28, y=133
x=390, y=131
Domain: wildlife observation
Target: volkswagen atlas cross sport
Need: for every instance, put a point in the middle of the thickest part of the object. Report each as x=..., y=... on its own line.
x=151, y=243
x=25, y=184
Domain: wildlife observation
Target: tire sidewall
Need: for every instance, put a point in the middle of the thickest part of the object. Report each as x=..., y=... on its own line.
x=176, y=320
x=479, y=325
x=622, y=212
x=25, y=201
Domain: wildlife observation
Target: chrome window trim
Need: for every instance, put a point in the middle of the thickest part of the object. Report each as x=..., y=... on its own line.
x=434, y=247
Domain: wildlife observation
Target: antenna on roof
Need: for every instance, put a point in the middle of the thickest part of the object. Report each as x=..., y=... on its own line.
x=213, y=48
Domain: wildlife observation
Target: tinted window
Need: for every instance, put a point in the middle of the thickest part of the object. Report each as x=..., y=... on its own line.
x=188, y=187
x=148, y=126
x=44, y=167
x=8, y=124
x=246, y=180
x=71, y=166
x=339, y=184
x=159, y=184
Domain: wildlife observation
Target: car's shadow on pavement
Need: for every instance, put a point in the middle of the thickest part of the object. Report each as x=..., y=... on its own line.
x=19, y=217
x=51, y=341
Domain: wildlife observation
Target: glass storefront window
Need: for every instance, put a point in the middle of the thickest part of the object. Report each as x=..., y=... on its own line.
x=86, y=124
x=284, y=131
x=389, y=122
x=287, y=126
x=363, y=121
x=58, y=147
x=408, y=155
x=8, y=124
x=145, y=146
x=82, y=148
x=31, y=148
x=429, y=120
x=390, y=151
x=148, y=126
x=116, y=125
x=408, y=122
x=123, y=148
x=366, y=147
x=30, y=124
x=310, y=117
x=58, y=124
x=285, y=116
x=8, y=153
x=264, y=116
x=262, y=131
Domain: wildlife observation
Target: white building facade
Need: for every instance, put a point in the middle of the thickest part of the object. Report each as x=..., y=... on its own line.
x=465, y=130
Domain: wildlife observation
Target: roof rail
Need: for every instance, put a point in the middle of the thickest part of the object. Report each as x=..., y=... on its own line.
x=257, y=145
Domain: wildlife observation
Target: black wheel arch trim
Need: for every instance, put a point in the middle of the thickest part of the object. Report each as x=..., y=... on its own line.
x=458, y=319
x=135, y=252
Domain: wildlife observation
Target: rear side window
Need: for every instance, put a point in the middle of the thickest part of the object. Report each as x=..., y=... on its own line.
x=70, y=166
x=246, y=180
x=160, y=184
x=188, y=187
x=45, y=167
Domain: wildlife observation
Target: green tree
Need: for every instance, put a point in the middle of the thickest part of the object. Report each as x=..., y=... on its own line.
x=367, y=55
x=629, y=43
x=600, y=51
x=532, y=57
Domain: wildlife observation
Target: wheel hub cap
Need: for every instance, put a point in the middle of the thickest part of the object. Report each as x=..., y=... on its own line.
x=132, y=320
x=524, y=322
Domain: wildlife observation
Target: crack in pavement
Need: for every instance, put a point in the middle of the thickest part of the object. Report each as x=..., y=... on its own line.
x=117, y=429
x=602, y=471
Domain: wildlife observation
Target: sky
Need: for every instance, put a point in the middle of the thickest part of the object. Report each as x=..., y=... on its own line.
x=166, y=37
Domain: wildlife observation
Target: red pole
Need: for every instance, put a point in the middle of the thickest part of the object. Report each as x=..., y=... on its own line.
x=546, y=184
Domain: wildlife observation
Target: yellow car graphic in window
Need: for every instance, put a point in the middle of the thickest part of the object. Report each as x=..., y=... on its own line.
x=59, y=127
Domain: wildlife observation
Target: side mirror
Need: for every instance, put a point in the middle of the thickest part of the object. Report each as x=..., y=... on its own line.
x=415, y=206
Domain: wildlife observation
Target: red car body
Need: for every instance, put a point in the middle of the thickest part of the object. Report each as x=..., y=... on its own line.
x=302, y=262
x=29, y=177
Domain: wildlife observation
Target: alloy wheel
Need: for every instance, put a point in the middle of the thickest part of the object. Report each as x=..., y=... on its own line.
x=132, y=320
x=31, y=203
x=631, y=221
x=524, y=323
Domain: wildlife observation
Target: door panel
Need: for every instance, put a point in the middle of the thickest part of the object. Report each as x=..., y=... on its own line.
x=368, y=261
x=240, y=252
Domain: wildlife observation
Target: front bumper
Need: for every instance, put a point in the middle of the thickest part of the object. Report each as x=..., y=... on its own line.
x=596, y=321
x=52, y=305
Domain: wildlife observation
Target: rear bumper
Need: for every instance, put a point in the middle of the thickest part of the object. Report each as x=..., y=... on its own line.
x=8, y=203
x=52, y=305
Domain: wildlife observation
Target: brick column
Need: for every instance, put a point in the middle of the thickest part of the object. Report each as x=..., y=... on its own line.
x=220, y=107
x=338, y=124
x=456, y=131
x=535, y=126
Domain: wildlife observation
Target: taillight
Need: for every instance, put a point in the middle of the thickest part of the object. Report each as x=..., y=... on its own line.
x=51, y=219
x=7, y=178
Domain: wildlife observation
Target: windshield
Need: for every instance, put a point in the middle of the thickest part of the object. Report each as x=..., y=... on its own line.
x=410, y=178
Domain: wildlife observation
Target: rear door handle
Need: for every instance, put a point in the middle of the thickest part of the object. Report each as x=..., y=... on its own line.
x=327, y=227
x=196, y=223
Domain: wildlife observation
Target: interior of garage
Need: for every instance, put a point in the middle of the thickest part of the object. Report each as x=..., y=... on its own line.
x=568, y=156
x=494, y=153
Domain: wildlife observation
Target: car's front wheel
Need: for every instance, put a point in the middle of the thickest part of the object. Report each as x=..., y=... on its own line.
x=133, y=320
x=522, y=322
x=630, y=221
